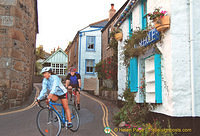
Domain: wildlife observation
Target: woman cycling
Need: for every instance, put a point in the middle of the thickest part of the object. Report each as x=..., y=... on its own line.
x=57, y=91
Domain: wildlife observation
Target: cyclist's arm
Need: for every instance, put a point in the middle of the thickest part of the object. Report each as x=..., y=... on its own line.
x=43, y=91
x=79, y=83
x=67, y=80
x=79, y=80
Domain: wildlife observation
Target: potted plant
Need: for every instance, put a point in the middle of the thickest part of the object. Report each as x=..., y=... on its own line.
x=160, y=19
x=118, y=34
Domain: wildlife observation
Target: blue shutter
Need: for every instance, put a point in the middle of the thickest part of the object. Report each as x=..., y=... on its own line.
x=129, y=75
x=133, y=77
x=158, y=79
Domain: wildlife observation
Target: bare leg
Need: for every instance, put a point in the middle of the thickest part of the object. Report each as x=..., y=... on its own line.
x=78, y=97
x=53, y=98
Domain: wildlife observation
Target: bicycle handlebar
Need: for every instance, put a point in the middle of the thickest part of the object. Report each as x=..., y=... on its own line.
x=39, y=103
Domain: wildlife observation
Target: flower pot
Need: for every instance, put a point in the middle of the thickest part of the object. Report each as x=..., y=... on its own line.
x=118, y=36
x=162, y=23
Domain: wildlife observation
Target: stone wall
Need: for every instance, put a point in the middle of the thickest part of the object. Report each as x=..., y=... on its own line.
x=18, y=28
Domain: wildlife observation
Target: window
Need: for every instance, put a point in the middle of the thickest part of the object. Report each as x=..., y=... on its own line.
x=144, y=14
x=90, y=42
x=59, y=69
x=75, y=49
x=90, y=66
x=69, y=55
x=130, y=25
x=153, y=79
x=109, y=31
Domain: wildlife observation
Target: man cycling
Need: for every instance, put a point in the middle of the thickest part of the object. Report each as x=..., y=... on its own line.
x=73, y=80
x=57, y=91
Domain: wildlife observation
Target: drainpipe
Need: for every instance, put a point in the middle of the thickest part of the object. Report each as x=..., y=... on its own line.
x=80, y=36
x=191, y=42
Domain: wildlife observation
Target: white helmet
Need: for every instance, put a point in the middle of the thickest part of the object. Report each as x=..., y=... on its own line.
x=46, y=69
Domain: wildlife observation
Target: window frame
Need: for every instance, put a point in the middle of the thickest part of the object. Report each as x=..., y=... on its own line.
x=87, y=49
x=93, y=66
x=144, y=15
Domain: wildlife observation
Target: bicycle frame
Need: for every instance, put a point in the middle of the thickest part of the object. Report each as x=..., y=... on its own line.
x=62, y=118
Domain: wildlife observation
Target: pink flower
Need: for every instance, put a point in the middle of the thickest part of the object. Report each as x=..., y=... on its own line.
x=139, y=128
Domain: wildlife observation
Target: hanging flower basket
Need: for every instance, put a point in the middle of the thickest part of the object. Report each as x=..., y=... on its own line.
x=118, y=36
x=162, y=23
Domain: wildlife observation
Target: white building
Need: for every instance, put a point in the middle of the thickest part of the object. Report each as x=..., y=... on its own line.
x=172, y=77
x=58, y=62
x=90, y=50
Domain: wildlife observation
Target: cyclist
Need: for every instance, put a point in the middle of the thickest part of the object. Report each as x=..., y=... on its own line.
x=57, y=91
x=73, y=80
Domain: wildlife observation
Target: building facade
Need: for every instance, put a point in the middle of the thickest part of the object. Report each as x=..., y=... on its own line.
x=171, y=76
x=90, y=50
x=58, y=62
x=72, y=52
x=18, y=29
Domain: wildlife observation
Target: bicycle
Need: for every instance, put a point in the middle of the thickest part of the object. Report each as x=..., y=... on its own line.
x=73, y=97
x=50, y=121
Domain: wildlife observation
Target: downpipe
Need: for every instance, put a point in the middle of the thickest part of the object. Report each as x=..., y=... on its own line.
x=191, y=43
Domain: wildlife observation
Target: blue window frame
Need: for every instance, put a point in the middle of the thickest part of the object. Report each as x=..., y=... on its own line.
x=130, y=25
x=90, y=43
x=89, y=66
x=144, y=14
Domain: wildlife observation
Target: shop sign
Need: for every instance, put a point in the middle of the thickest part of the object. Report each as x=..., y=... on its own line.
x=153, y=36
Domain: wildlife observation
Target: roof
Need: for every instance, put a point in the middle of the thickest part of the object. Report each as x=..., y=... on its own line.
x=101, y=23
x=126, y=12
x=115, y=16
x=59, y=50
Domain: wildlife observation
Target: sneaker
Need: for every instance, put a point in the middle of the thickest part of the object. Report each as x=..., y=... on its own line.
x=78, y=105
x=69, y=125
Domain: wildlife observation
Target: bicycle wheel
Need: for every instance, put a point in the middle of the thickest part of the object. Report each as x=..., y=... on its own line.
x=48, y=122
x=75, y=118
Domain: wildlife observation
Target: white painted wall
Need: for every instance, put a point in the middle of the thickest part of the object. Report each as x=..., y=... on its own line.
x=176, y=58
x=89, y=54
x=122, y=71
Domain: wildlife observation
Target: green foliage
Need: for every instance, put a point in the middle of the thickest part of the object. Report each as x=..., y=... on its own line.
x=131, y=112
x=38, y=68
x=132, y=48
x=40, y=53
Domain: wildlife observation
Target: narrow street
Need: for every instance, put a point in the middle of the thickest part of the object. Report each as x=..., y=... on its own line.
x=93, y=118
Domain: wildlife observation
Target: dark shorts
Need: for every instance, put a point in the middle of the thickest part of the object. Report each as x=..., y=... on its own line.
x=62, y=96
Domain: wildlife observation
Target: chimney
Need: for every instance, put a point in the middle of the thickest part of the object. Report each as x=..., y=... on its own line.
x=111, y=11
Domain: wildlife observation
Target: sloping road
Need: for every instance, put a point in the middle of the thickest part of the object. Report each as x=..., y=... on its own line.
x=94, y=117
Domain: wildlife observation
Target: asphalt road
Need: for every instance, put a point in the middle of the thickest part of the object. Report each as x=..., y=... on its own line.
x=24, y=123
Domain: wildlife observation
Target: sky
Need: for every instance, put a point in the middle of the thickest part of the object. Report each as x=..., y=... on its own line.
x=59, y=20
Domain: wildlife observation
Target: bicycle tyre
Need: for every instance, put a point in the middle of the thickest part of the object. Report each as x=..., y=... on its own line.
x=48, y=122
x=75, y=118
